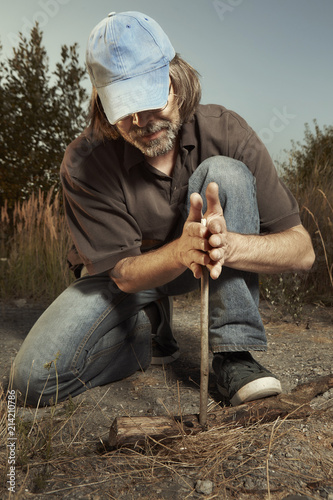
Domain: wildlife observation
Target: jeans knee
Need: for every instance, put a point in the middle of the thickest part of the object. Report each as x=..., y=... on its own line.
x=227, y=172
x=28, y=385
x=237, y=191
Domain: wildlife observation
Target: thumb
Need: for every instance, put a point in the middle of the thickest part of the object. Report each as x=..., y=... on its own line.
x=213, y=200
x=196, y=204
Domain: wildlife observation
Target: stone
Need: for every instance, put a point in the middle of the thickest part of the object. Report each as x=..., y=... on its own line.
x=205, y=487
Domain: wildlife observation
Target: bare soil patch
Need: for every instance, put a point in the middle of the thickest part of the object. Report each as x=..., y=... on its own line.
x=62, y=452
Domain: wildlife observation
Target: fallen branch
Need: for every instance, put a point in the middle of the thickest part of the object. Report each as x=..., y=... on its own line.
x=129, y=431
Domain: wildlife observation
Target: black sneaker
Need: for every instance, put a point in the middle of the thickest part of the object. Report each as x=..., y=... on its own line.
x=241, y=378
x=162, y=355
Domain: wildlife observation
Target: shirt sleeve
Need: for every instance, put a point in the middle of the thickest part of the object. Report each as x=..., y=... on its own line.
x=278, y=209
x=101, y=228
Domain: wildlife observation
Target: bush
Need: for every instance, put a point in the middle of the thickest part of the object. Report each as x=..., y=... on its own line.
x=309, y=175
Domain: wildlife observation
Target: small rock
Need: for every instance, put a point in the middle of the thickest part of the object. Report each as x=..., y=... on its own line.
x=248, y=483
x=205, y=487
x=328, y=394
x=20, y=302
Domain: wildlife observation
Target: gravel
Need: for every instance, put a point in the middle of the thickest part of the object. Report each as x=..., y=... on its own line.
x=289, y=458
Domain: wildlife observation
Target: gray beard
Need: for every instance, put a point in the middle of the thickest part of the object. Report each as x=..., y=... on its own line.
x=159, y=146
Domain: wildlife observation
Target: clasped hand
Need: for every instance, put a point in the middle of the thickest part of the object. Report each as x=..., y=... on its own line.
x=200, y=245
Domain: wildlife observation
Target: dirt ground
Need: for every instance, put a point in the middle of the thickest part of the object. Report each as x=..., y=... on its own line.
x=260, y=461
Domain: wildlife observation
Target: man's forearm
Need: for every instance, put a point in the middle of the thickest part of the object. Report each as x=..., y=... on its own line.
x=165, y=264
x=287, y=251
x=148, y=270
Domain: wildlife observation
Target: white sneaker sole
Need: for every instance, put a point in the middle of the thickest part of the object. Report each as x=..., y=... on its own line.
x=257, y=389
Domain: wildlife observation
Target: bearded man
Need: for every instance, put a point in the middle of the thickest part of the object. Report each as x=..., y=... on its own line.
x=137, y=182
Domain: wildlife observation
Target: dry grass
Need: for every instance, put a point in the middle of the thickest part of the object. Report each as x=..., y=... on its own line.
x=34, y=247
x=315, y=199
x=56, y=458
x=291, y=291
x=327, y=225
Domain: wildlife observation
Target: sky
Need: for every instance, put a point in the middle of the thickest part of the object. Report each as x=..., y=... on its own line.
x=271, y=61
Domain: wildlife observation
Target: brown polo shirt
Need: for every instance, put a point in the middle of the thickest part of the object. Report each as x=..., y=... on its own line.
x=117, y=205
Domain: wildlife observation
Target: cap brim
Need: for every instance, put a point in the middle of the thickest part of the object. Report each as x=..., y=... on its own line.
x=139, y=93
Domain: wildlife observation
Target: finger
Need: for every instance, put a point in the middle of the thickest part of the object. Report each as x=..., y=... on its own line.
x=217, y=254
x=194, y=260
x=196, y=270
x=197, y=257
x=217, y=225
x=215, y=270
x=197, y=240
x=198, y=235
x=218, y=240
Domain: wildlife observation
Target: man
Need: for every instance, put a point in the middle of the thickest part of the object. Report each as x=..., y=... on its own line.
x=136, y=184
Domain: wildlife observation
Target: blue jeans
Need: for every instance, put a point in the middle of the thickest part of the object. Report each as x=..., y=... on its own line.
x=94, y=334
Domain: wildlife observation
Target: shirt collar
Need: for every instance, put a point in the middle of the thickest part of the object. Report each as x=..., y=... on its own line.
x=188, y=137
x=132, y=155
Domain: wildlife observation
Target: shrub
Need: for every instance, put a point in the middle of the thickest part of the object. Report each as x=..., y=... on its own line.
x=309, y=175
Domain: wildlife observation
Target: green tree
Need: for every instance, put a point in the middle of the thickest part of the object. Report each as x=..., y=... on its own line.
x=41, y=114
x=71, y=97
x=2, y=100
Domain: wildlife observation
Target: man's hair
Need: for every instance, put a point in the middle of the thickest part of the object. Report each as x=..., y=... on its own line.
x=186, y=88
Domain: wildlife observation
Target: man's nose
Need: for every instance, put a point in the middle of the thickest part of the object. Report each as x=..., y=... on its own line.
x=142, y=118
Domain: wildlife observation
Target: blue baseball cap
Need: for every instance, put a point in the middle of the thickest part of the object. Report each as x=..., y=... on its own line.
x=128, y=57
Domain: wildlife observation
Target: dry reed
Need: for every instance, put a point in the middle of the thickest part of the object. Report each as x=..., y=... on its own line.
x=317, y=210
x=315, y=198
x=35, y=243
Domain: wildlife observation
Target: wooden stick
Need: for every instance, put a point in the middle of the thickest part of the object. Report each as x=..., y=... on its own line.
x=204, y=368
